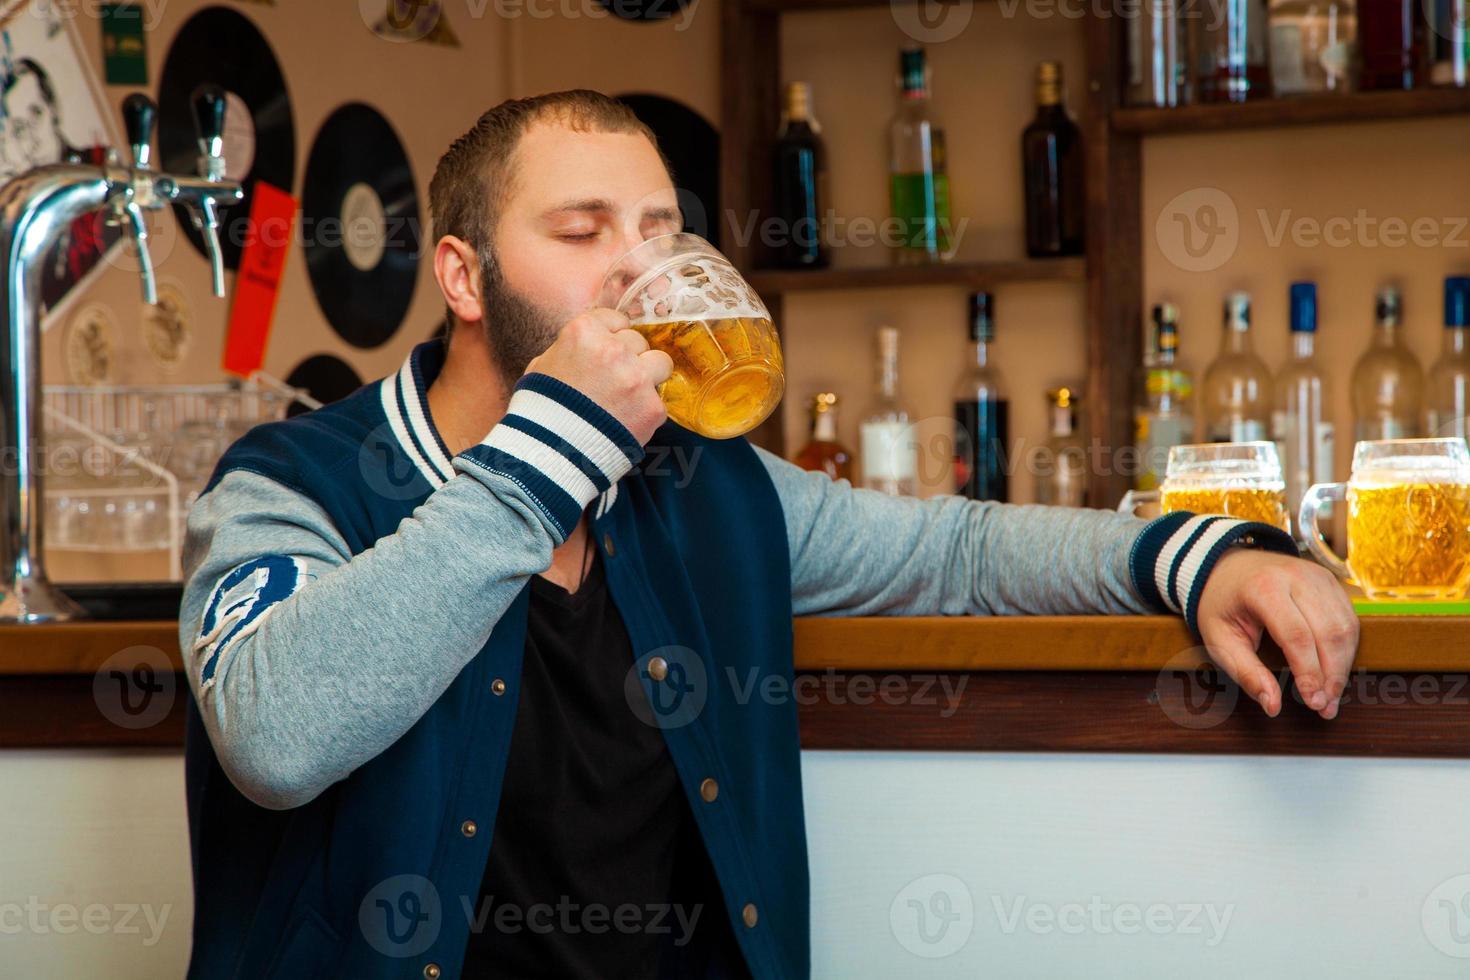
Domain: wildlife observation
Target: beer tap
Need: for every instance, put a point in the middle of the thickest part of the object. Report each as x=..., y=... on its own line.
x=36, y=209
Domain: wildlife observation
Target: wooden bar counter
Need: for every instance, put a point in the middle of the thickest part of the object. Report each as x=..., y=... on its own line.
x=1046, y=683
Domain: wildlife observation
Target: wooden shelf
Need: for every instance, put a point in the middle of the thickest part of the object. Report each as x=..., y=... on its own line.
x=974, y=275
x=805, y=6
x=1313, y=110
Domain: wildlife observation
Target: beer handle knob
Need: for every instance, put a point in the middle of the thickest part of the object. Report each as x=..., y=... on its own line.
x=1312, y=501
x=139, y=118
x=208, y=103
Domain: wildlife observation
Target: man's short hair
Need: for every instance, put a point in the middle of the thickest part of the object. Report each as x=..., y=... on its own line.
x=474, y=176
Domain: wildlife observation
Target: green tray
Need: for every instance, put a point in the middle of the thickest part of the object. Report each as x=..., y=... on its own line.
x=1411, y=607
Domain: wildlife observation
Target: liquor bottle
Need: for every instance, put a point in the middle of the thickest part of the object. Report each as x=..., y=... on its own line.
x=1449, y=379
x=1449, y=42
x=1230, y=45
x=1158, y=63
x=1387, y=380
x=1313, y=46
x=980, y=413
x=801, y=182
x=890, y=455
x=918, y=185
x=1061, y=475
x=1237, y=389
x=1163, y=419
x=1051, y=162
x=823, y=453
x=1392, y=46
x=1301, y=424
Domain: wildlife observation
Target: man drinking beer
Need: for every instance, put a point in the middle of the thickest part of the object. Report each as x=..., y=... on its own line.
x=457, y=643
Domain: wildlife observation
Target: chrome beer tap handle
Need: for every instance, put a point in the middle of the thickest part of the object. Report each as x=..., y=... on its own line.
x=139, y=117
x=204, y=194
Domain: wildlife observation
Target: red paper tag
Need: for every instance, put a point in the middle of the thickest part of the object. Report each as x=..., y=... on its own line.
x=258, y=282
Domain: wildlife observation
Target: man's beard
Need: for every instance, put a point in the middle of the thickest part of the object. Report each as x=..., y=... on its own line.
x=516, y=329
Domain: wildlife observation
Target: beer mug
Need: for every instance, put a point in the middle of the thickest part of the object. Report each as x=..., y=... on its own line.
x=689, y=302
x=1408, y=519
x=1240, y=479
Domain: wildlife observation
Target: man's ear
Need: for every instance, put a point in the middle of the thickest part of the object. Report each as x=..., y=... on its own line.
x=457, y=270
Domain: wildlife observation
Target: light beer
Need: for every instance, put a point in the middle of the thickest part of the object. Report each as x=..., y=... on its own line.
x=1409, y=539
x=1264, y=504
x=728, y=374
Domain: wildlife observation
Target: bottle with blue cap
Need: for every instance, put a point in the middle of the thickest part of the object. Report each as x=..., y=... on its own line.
x=1449, y=379
x=1300, y=422
x=1388, y=382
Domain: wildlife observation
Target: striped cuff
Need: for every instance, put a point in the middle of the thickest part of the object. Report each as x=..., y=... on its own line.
x=1174, y=555
x=559, y=446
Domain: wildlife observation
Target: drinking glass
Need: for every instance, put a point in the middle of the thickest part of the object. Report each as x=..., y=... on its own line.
x=1239, y=479
x=1408, y=519
x=689, y=302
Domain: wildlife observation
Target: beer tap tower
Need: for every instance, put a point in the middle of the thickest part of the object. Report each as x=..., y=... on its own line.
x=36, y=208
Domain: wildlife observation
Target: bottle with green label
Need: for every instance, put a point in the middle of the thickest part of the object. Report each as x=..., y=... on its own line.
x=918, y=187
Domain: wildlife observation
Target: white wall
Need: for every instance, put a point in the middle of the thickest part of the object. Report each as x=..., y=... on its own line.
x=1310, y=867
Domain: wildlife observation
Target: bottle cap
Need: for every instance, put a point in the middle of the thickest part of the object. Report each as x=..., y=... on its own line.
x=1304, y=307
x=1389, y=306
x=1457, y=301
x=911, y=70
x=823, y=401
x=1238, y=310
x=982, y=316
x=1049, y=83
x=798, y=100
x=1063, y=397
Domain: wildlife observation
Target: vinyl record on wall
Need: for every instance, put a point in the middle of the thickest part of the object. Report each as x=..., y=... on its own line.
x=360, y=223
x=693, y=148
x=222, y=46
x=325, y=378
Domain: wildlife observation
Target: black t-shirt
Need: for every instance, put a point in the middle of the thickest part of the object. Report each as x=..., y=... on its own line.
x=596, y=868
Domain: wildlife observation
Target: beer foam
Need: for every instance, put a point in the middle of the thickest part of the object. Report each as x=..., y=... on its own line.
x=1399, y=471
x=696, y=288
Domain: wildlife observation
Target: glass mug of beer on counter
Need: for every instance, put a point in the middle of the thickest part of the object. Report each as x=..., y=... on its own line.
x=1408, y=519
x=689, y=302
x=1239, y=479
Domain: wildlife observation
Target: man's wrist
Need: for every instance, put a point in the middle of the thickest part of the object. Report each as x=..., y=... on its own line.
x=559, y=446
x=1174, y=555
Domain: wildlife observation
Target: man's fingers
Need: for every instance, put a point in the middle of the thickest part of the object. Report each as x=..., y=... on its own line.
x=657, y=366
x=1235, y=654
x=634, y=341
x=1335, y=626
x=611, y=319
x=1282, y=616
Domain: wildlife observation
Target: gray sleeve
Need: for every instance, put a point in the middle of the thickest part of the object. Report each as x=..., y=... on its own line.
x=350, y=651
x=862, y=553
x=307, y=661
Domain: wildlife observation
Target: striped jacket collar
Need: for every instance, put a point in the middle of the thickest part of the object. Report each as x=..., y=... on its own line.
x=405, y=399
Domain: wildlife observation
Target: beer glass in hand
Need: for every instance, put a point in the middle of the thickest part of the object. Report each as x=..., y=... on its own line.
x=1408, y=523
x=1239, y=479
x=689, y=302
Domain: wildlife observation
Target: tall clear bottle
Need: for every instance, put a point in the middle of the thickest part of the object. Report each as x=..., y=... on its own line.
x=1163, y=419
x=1449, y=379
x=981, y=413
x=1301, y=423
x=1061, y=477
x=918, y=185
x=1387, y=380
x=1236, y=401
x=888, y=449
